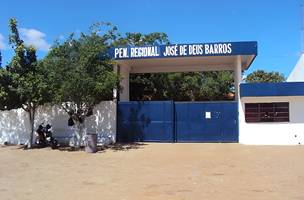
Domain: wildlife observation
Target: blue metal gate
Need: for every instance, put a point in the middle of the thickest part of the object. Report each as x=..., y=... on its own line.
x=148, y=121
x=168, y=121
x=206, y=121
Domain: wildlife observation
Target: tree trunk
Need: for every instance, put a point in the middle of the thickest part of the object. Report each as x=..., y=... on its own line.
x=31, y=113
x=79, y=133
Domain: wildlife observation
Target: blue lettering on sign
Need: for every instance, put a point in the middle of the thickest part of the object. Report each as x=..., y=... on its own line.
x=184, y=50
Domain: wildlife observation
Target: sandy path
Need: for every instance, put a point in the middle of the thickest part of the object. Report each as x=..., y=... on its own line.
x=155, y=171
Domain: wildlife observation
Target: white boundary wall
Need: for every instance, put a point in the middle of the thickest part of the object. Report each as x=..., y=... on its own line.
x=15, y=128
x=273, y=133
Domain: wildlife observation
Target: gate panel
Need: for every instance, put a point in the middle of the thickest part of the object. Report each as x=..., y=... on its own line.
x=145, y=121
x=206, y=121
x=230, y=128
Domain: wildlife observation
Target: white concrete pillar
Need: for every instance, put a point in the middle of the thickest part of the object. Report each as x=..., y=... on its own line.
x=237, y=76
x=124, y=92
x=237, y=81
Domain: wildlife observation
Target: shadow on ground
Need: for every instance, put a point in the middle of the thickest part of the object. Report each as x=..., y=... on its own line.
x=100, y=149
x=112, y=147
x=125, y=146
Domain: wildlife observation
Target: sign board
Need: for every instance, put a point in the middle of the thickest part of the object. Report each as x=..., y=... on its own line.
x=184, y=50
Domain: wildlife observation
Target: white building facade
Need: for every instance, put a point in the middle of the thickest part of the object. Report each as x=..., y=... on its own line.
x=274, y=114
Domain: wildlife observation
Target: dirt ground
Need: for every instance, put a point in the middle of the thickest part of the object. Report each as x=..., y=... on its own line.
x=154, y=171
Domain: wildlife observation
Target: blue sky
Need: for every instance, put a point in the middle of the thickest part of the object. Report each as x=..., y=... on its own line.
x=275, y=24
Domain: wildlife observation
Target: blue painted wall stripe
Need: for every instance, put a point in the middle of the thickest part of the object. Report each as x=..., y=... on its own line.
x=272, y=89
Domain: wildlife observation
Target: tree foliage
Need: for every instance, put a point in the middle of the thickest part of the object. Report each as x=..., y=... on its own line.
x=81, y=74
x=260, y=76
x=23, y=79
x=188, y=86
x=139, y=39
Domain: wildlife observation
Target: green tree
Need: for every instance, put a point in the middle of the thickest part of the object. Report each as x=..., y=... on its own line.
x=22, y=81
x=199, y=86
x=216, y=85
x=2, y=89
x=81, y=74
x=186, y=86
x=139, y=39
x=260, y=76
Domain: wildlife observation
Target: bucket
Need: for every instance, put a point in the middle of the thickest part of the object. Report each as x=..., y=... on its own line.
x=91, y=143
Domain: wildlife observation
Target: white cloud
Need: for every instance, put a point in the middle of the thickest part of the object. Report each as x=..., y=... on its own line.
x=2, y=43
x=35, y=38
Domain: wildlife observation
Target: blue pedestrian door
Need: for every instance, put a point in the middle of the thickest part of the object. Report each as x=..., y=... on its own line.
x=168, y=121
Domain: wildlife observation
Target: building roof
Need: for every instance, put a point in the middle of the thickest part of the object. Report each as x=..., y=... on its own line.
x=272, y=89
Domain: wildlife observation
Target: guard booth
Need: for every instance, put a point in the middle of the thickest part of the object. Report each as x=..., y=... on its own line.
x=168, y=121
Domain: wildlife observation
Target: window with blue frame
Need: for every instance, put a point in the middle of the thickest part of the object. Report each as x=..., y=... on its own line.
x=267, y=112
